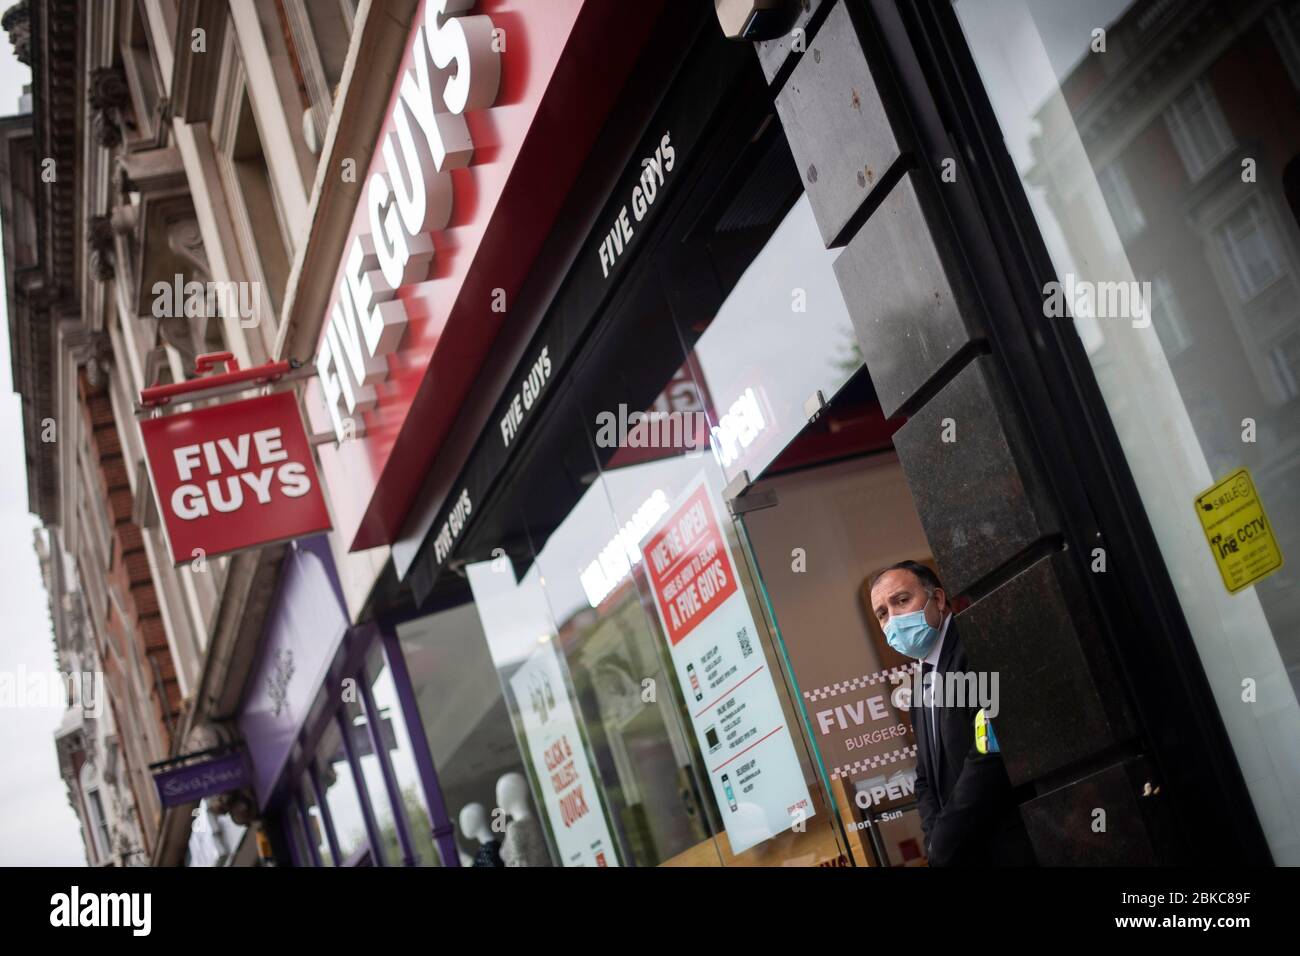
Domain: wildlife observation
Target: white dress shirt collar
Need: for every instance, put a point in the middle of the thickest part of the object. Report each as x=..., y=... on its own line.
x=933, y=657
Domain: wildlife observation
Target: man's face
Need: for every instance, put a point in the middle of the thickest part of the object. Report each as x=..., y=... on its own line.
x=901, y=592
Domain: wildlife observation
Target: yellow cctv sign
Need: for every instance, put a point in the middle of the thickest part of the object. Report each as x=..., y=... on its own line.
x=1240, y=537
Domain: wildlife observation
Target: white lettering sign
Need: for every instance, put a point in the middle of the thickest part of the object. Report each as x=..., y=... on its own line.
x=654, y=170
x=452, y=527
x=523, y=400
x=454, y=67
x=223, y=490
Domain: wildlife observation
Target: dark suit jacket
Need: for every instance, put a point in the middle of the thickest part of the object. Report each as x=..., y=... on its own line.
x=968, y=808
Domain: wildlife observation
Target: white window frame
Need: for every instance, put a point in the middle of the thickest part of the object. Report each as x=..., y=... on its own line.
x=1229, y=248
x=1124, y=212
x=233, y=99
x=1176, y=120
x=1283, y=372
x=320, y=91
x=97, y=832
x=1172, y=328
x=144, y=79
x=99, y=823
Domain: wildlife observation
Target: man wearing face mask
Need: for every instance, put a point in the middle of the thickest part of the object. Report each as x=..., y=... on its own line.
x=968, y=808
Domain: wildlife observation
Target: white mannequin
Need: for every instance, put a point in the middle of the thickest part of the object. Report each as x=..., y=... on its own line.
x=473, y=823
x=524, y=844
x=512, y=795
x=473, y=820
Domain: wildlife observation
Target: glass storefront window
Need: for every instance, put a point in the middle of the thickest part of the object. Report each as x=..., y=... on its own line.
x=732, y=324
x=610, y=654
x=294, y=829
x=341, y=795
x=696, y=741
x=316, y=830
x=547, y=717
x=743, y=698
x=668, y=789
x=779, y=336
x=465, y=719
x=389, y=852
x=214, y=837
x=1197, y=106
x=400, y=757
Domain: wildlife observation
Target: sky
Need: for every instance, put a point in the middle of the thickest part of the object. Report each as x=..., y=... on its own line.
x=37, y=826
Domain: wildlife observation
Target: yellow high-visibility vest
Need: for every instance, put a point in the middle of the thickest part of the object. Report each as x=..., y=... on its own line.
x=986, y=741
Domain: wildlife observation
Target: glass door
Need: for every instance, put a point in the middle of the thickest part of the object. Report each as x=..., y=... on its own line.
x=816, y=537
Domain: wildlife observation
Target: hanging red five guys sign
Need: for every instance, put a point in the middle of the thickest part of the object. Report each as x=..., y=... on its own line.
x=236, y=476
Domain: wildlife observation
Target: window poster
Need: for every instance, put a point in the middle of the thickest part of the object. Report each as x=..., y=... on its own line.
x=572, y=800
x=748, y=750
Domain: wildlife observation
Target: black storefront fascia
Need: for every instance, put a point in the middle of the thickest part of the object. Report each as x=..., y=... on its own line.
x=882, y=98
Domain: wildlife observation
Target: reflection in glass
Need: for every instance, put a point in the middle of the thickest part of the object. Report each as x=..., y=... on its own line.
x=401, y=757
x=341, y=795
x=611, y=654
x=463, y=711
x=547, y=719
x=1196, y=104
x=316, y=833
x=780, y=335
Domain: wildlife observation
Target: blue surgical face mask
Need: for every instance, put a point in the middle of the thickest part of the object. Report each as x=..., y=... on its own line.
x=911, y=634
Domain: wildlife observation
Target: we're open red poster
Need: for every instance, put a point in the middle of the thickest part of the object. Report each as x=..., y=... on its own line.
x=689, y=565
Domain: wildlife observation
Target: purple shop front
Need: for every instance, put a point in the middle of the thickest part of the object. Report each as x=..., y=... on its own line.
x=304, y=630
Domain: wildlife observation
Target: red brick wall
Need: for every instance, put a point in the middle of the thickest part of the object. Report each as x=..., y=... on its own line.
x=129, y=565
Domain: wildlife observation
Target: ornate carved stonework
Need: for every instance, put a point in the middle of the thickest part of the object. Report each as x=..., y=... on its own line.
x=17, y=22
x=99, y=239
x=204, y=736
x=125, y=184
x=105, y=130
x=185, y=239
x=98, y=358
x=184, y=332
x=94, y=350
x=164, y=238
x=177, y=331
x=108, y=96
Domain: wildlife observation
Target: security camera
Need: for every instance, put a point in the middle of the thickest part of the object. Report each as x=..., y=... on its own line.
x=752, y=19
